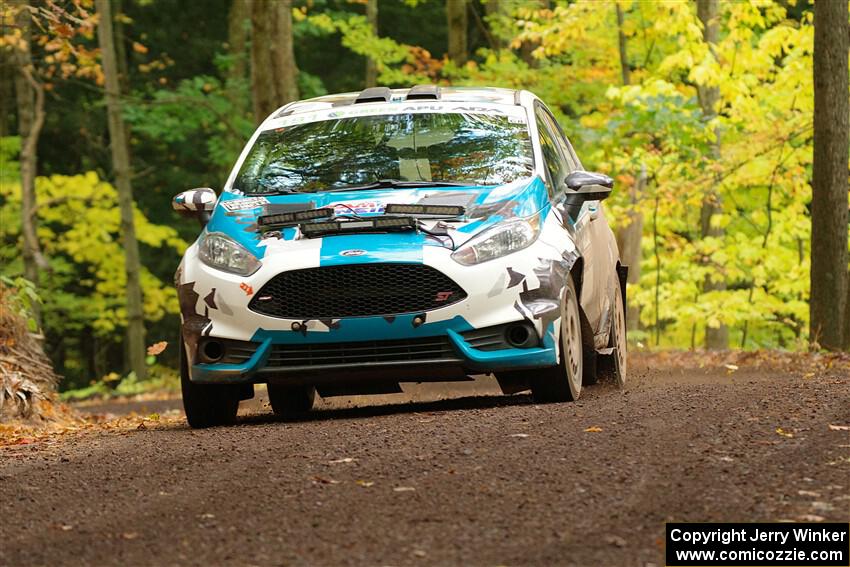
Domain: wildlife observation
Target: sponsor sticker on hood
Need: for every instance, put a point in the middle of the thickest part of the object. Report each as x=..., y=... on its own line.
x=361, y=207
x=244, y=204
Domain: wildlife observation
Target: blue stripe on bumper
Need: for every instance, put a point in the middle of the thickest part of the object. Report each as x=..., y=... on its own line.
x=502, y=359
x=234, y=372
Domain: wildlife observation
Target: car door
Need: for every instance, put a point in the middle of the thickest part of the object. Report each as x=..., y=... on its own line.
x=592, y=234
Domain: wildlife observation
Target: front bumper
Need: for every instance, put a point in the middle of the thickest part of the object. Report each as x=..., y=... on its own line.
x=453, y=351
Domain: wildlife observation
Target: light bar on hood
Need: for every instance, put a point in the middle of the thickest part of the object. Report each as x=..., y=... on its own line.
x=378, y=224
x=431, y=210
x=284, y=219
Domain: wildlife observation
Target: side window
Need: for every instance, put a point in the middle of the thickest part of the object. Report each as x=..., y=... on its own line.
x=572, y=153
x=555, y=165
x=563, y=144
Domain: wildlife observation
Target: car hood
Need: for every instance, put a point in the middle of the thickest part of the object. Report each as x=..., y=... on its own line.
x=236, y=215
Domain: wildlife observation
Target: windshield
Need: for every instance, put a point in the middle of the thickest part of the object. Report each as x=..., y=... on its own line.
x=473, y=149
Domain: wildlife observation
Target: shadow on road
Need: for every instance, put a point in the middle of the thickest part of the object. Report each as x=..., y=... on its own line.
x=366, y=411
x=451, y=399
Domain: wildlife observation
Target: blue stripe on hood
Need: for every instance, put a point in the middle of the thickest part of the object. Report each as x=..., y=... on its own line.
x=390, y=247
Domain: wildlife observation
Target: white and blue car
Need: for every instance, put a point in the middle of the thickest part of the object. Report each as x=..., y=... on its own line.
x=407, y=235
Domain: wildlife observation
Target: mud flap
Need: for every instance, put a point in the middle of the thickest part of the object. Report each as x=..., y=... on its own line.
x=512, y=382
x=623, y=275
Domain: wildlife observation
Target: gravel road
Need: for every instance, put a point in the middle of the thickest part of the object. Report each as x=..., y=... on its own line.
x=478, y=479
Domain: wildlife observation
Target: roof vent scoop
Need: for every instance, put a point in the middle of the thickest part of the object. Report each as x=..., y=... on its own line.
x=374, y=94
x=424, y=92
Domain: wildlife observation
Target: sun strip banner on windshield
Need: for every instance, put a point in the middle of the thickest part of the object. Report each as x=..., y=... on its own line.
x=515, y=114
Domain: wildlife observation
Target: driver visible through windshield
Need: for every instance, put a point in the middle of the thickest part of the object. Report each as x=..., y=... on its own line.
x=455, y=147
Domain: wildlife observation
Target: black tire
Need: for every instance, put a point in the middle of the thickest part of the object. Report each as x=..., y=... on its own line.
x=291, y=401
x=562, y=383
x=206, y=405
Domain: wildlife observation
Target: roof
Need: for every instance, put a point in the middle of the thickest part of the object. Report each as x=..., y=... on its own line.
x=422, y=93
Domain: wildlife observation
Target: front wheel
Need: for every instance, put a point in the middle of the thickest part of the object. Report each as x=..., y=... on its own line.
x=206, y=405
x=562, y=383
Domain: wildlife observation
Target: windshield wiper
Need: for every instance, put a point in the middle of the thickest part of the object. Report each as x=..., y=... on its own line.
x=396, y=183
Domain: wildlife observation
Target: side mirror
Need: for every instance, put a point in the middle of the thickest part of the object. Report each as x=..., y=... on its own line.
x=195, y=203
x=585, y=186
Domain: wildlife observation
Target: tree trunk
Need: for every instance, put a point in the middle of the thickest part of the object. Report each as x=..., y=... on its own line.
x=372, y=18
x=121, y=167
x=526, y=50
x=708, y=13
x=120, y=48
x=238, y=21
x=273, y=70
x=29, y=95
x=493, y=10
x=847, y=316
x=829, y=294
x=457, y=26
x=629, y=236
x=623, y=45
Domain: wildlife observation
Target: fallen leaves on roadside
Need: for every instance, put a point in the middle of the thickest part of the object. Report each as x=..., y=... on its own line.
x=808, y=365
x=365, y=483
x=593, y=429
x=343, y=460
x=784, y=433
x=17, y=433
x=323, y=480
x=157, y=348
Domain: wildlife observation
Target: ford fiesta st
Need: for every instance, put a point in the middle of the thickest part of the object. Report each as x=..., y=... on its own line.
x=367, y=239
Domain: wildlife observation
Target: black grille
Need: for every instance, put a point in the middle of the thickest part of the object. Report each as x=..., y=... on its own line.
x=430, y=348
x=359, y=290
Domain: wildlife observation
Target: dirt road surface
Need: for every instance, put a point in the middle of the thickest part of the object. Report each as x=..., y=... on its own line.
x=479, y=479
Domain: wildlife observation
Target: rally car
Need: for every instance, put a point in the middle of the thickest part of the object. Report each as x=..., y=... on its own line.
x=368, y=239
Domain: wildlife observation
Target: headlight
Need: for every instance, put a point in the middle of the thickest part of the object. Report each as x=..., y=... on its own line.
x=223, y=253
x=499, y=241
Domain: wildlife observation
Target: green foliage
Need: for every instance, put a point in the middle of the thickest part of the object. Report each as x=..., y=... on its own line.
x=160, y=379
x=83, y=292
x=200, y=111
x=23, y=299
x=10, y=147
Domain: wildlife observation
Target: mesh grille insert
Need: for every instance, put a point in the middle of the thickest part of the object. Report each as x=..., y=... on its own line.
x=358, y=290
x=345, y=354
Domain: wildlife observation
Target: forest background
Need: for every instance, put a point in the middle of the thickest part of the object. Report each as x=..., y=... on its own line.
x=704, y=112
